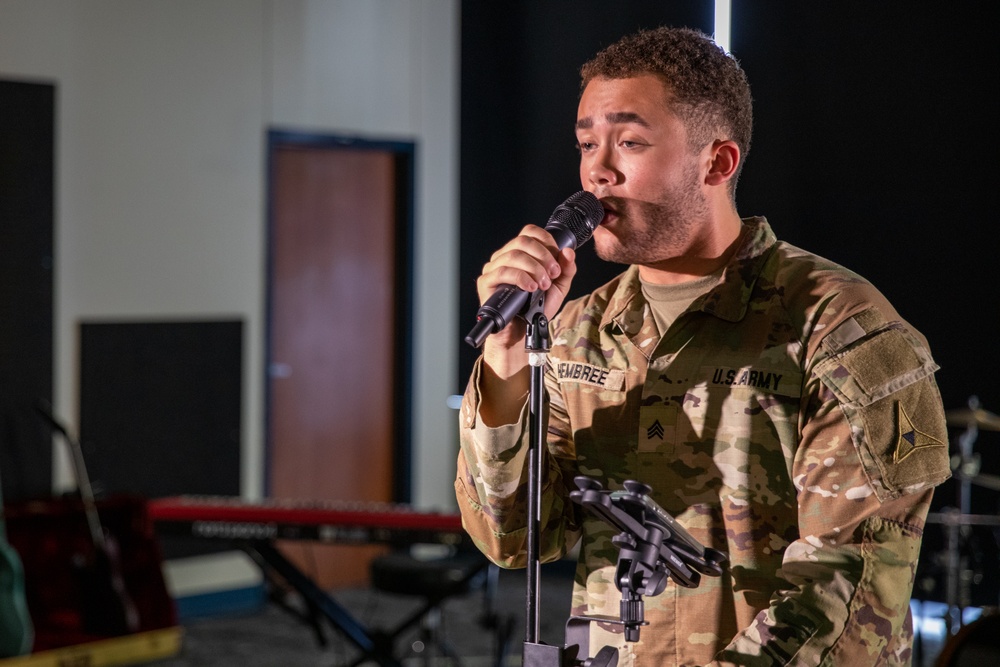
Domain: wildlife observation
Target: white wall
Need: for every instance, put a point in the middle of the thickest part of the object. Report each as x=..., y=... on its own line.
x=162, y=113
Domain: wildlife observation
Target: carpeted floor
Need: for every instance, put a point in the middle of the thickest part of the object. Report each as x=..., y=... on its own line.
x=272, y=636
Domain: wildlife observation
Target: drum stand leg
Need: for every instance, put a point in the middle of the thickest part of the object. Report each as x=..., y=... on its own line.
x=958, y=580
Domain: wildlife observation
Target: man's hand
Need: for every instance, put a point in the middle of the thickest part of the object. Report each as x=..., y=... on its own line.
x=530, y=261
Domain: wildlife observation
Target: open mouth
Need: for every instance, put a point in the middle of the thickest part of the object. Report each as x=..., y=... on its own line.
x=611, y=210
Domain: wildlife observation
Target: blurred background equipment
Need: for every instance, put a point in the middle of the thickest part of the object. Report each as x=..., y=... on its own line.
x=956, y=579
x=16, y=631
x=93, y=581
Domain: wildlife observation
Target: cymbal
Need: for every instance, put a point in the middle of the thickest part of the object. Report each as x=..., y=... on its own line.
x=983, y=419
x=989, y=481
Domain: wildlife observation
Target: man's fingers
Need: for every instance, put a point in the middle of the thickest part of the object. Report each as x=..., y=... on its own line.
x=530, y=261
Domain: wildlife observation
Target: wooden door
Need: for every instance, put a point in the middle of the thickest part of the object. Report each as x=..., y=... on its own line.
x=332, y=338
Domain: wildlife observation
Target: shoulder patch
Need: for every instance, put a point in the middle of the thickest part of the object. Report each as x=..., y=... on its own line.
x=883, y=377
x=910, y=439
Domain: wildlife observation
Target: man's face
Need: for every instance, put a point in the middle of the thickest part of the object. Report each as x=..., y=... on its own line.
x=634, y=156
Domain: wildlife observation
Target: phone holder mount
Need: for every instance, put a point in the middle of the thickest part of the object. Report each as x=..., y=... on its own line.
x=653, y=548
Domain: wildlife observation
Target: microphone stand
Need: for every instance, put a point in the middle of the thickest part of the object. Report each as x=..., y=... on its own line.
x=652, y=546
x=535, y=652
x=537, y=344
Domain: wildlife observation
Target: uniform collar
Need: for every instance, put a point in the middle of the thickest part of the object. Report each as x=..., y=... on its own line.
x=728, y=300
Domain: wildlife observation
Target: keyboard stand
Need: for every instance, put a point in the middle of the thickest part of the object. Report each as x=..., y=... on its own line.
x=269, y=559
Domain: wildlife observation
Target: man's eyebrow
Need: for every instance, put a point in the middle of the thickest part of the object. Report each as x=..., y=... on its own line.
x=615, y=118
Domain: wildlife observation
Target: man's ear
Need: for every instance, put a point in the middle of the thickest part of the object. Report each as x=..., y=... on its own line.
x=723, y=159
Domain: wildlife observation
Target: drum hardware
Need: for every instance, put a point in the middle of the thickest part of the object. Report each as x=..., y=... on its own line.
x=989, y=481
x=978, y=643
x=958, y=521
x=973, y=415
x=952, y=516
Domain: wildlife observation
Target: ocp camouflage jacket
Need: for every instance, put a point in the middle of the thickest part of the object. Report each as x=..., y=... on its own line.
x=788, y=418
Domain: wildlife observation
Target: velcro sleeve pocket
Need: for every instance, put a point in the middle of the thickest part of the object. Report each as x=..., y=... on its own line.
x=883, y=376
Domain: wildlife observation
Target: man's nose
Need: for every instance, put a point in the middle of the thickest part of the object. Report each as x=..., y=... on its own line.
x=601, y=170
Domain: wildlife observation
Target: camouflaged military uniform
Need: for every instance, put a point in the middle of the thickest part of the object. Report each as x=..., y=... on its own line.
x=789, y=418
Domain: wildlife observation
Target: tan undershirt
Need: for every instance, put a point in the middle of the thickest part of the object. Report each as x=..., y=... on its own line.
x=668, y=302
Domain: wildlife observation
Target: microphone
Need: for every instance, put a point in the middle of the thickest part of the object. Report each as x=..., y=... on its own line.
x=571, y=225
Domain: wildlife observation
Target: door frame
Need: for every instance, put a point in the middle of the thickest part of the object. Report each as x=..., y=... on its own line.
x=402, y=404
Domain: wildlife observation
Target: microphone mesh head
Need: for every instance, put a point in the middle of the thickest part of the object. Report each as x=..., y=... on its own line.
x=579, y=214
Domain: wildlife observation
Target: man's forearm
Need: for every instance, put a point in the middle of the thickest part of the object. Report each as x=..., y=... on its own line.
x=504, y=385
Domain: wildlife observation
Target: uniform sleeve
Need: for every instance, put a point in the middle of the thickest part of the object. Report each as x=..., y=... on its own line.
x=491, y=484
x=873, y=445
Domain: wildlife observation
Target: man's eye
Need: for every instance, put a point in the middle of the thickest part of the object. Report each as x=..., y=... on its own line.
x=629, y=144
x=584, y=146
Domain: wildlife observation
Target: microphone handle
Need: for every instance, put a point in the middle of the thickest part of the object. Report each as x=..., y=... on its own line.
x=502, y=306
x=570, y=225
x=508, y=301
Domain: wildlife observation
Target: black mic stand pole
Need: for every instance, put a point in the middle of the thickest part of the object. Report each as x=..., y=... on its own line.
x=535, y=652
x=536, y=343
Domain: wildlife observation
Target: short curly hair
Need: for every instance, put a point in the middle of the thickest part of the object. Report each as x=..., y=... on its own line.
x=709, y=89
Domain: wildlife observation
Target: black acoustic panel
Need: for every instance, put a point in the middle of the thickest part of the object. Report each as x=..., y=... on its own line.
x=27, y=149
x=160, y=406
x=866, y=115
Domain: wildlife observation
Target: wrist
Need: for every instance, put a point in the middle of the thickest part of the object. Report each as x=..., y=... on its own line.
x=504, y=361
